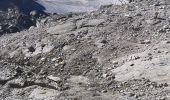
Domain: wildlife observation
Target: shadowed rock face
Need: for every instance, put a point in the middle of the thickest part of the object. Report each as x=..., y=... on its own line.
x=5, y=4
x=15, y=15
x=23, y=5
x=29, y=5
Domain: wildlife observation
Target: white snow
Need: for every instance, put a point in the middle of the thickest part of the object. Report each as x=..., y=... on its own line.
x=65, y=6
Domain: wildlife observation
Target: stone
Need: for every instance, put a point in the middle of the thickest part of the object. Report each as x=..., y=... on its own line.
x=115, y=62
x=42, y=59
x=54, y=59
x=38, y=49
x=62, y=63
x=67, y=47
x=56, y=64
x=31, y=49
x=56, y=79
x=16, y=83
x=62, y=28
x=104, y=91
x=95, y=22
x=81, y=23
x=79, y=79
x=34, y=13
x=131, y=94
x=47, y=48
x=145, y=42
x=132, y=64
x=44, y=93
x=73, y=49
x=0, y=27
x=105, y=75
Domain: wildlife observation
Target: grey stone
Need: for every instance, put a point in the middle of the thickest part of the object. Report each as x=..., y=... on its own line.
x=95, y=22
x=62, y=28
x=56, y=79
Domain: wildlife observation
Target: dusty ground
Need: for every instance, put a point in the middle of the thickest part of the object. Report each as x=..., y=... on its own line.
x=116, y=53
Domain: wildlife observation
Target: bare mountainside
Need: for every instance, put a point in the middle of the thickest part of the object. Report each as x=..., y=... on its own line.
x=119, y=52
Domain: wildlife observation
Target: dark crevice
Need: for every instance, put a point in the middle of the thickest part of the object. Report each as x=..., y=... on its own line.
x=3, y=82
x=31, y=83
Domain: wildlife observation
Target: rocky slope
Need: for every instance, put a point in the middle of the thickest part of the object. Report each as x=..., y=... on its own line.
x=120, y=52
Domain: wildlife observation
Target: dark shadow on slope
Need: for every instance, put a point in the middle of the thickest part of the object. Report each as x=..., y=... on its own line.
x=27, y=6
x=24, y=6
x=5, y=4
x=15, y=15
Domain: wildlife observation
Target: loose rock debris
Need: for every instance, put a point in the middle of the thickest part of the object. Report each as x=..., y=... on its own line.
x=119, y=52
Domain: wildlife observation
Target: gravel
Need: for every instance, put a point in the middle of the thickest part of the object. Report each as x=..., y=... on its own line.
x=118, y=52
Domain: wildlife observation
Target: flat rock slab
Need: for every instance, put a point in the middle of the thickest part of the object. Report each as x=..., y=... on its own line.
x=79, y=79
x=56, y=79
x=63, y=28
x=42, y=93
x=153, y=65
x=95, y=22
